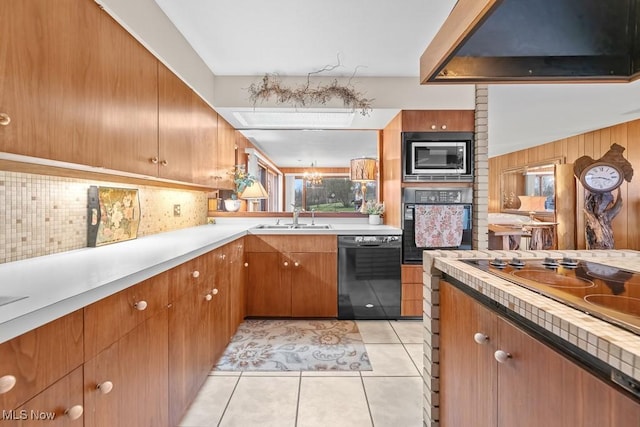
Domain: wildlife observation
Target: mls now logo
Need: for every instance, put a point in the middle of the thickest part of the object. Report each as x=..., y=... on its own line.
x=23, y=414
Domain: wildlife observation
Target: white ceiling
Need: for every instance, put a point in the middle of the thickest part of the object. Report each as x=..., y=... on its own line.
x=372, y=39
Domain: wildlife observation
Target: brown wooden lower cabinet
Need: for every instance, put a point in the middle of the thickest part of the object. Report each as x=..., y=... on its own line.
x=38, y=358
x=314, y=280
x=126, y=384
x=411, y=303
x=62, y=404
x=148, y=349
x=268, y=293
x=190, y=351
x=292, y=276
x=237, y=283
x=535, y=386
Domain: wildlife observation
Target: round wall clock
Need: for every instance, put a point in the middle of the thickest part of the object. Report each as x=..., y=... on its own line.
x=601, y=177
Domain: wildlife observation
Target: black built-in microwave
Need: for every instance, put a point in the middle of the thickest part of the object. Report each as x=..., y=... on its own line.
x=437, y=156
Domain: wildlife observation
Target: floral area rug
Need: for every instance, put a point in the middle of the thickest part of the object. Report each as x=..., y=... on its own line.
x=295, y=345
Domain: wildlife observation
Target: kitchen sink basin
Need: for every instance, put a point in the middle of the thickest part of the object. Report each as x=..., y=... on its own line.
x=294, y=226
x=4, y=300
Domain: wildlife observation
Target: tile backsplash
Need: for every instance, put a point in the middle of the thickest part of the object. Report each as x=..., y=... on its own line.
x=42, y=215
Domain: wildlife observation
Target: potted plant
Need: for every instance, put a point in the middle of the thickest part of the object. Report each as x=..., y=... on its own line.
x=241, y=180
x=375, y=210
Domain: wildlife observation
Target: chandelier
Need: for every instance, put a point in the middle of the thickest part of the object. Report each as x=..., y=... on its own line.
x=312, y=176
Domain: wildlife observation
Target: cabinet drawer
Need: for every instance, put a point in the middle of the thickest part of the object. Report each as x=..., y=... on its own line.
x=49, y=407
x=110, y=318
x=186, y=277
x=411, y=273
x=412, y=291
x=291, y=243
x=40, y=357
x=411, y=307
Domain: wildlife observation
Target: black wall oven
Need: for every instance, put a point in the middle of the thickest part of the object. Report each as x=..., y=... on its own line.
x=435, y=218
x=433, y=156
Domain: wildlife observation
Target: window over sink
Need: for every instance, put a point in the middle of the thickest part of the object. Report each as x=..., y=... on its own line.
x=334, y=194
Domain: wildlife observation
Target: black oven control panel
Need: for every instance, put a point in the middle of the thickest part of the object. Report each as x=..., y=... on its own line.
x=433, y=196
x=439, y=196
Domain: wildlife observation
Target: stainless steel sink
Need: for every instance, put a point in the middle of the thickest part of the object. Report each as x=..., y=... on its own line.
x=4, y=300
x=294, y=226
x=314, y=226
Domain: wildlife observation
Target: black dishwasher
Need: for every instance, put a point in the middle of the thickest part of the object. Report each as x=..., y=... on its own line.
x=369, y=282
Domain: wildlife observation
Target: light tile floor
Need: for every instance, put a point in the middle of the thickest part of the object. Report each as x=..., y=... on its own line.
x=389, y=395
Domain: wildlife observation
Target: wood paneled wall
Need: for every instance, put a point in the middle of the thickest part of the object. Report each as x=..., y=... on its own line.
x=626, y=225
x=391, y=171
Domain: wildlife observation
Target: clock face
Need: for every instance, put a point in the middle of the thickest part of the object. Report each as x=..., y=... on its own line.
x=601, y=177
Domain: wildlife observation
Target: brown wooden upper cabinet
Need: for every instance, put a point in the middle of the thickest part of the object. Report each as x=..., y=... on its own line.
x=225, y=155
x=76, y=87
x=438, y=120
x=176, y=122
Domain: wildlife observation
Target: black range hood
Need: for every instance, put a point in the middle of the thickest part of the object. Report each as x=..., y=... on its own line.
x=536, y=41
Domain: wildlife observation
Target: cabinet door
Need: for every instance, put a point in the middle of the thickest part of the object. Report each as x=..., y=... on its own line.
x=456, y=120
x=109, y=319
x=237, y=291
x=467, y=369
x=268, y=285
x=40, y=357
x=118, y=128
x=588, y=401
x=44, y=47
x=314, y=281
x=186, y=277
x=205, y=143
x=77, y=86
x=190, y=350
x=530, y=382
x=226, y=155
x=136, y=366
x=50, y=407
x=219, y=286
x=438, y=120
x=176, y=122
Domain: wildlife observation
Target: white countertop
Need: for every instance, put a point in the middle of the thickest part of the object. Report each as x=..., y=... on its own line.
x=56, y=285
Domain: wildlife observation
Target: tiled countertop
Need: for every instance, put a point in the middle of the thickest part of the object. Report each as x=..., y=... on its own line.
x=615, y=346
x=58, y=284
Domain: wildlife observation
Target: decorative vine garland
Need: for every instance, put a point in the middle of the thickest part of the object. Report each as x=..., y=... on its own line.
x=303, y=96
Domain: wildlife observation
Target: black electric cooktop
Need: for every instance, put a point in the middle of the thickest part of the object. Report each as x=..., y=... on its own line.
x=609, y=293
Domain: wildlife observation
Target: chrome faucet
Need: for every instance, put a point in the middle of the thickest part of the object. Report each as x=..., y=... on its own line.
x=313, y=216
x=296, y=213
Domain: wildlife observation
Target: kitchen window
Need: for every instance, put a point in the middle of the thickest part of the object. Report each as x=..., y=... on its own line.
x=333, y=194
